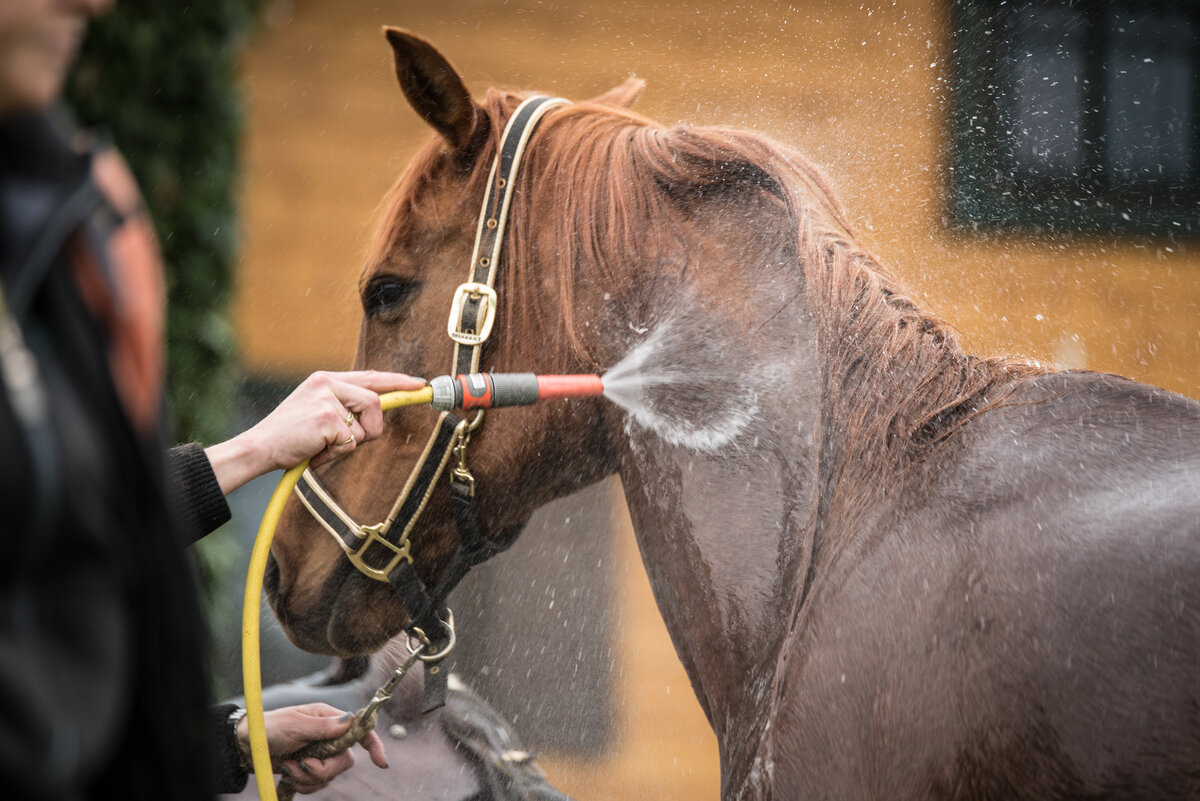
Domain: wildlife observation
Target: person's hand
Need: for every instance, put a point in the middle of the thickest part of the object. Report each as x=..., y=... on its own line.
x=327, y=415
x=291, y=728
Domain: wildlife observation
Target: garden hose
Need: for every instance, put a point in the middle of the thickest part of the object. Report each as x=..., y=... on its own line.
x=251, y=663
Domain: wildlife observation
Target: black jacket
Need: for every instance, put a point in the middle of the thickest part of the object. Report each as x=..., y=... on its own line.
x=103, y=684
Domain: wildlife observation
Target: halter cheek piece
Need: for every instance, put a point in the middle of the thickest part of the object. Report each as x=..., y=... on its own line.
x=472, y=313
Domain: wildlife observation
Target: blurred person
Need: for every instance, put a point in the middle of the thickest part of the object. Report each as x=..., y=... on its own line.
x=103, y=681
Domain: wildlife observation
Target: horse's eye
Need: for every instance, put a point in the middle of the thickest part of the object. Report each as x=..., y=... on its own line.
x=387, y=292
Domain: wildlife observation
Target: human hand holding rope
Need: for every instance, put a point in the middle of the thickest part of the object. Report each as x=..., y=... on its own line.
x=310, y=744
x=360, y=730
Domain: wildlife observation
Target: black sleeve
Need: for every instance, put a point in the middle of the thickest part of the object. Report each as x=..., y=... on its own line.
x=196, y=496
x=227, y=758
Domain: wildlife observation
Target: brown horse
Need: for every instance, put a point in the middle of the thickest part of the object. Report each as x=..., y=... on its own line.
x=892, y=569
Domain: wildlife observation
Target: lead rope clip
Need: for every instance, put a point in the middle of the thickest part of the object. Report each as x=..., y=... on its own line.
x=460, y=472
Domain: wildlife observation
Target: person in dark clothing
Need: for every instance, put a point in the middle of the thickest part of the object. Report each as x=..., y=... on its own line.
x=103, y=682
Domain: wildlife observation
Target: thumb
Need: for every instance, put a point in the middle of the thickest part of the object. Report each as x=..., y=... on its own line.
x=323, y=722
x=331, y=727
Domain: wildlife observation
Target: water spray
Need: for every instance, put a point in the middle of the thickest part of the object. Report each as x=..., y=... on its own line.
x=496, y=390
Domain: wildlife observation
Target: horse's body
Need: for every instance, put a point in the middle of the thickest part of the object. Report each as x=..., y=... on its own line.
x=890, y=568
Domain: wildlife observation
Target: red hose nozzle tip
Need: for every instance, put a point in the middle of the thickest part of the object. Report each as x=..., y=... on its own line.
x=569, y=386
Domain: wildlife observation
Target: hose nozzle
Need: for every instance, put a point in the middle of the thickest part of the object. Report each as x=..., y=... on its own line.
x=493, y=390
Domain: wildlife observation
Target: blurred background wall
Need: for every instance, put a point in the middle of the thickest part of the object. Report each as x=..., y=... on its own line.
x=866, y=89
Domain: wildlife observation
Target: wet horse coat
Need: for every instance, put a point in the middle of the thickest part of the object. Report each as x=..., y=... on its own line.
x=891, y=568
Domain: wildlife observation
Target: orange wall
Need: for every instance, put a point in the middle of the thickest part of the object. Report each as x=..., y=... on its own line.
x=861, y=87
x=862, y=90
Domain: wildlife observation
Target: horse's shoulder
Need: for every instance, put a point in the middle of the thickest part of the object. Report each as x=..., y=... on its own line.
x=1071, y=466
x=1081, y=475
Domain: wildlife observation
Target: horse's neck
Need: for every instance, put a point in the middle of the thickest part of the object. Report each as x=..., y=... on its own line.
x=721, y=492
x=726, y=543
x=732, y=528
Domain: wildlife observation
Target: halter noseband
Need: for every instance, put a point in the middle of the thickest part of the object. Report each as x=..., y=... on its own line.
x=472, y=314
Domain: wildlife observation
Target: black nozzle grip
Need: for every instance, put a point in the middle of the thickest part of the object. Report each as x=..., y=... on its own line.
x=513, y=389
x=484, y=391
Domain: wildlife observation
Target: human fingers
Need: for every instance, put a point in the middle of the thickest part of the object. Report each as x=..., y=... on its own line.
x=325, y=722
x=321, y=719
x=291, y=728
x=330, y=413
x=375, y=747
x=363, y=407
x=312, y=774
x=381, y=380
x=305, y=424
x=295, y=776
x=359, y=391
x=301, y=778
x=342, y=440
x=326, y=769
x=354, y=424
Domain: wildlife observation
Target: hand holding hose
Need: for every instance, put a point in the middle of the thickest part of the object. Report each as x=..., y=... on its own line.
x=327, y=415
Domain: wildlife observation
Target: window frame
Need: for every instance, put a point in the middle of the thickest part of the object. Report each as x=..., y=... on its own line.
x=984, y=194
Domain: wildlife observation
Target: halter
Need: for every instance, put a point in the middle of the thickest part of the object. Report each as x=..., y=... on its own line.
x=472, y=314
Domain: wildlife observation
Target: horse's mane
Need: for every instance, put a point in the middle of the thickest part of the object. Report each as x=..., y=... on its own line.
x=598, y=178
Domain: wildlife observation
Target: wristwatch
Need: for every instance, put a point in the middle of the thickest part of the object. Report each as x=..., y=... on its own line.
x=235, y=717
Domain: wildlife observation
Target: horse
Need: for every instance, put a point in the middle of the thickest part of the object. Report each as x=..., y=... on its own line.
x=891, y=568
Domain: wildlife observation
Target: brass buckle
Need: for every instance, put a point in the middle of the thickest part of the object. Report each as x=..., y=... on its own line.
x=472, y=290
x=374, y=534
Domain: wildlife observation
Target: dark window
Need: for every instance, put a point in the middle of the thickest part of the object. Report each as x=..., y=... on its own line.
x=1077, y=116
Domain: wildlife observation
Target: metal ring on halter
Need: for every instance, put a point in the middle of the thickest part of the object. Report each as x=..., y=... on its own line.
x=467, y=427
x=434, y=657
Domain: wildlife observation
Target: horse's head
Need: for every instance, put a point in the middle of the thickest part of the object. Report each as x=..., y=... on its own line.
x=520, y=458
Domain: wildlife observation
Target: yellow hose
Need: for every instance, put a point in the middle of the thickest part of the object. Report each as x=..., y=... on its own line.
x=251, y=663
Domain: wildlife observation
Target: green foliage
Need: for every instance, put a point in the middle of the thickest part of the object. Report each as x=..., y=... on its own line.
x=160, y=78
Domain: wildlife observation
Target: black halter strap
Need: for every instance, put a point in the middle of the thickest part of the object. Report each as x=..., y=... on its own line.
x=474, y=307
x=472, y=314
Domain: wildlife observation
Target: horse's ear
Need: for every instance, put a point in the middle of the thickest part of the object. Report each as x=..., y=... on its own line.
x=622, y=96
x=433, y=87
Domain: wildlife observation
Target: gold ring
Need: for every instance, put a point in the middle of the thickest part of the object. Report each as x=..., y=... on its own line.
x=349, y=418
x=347, y=440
